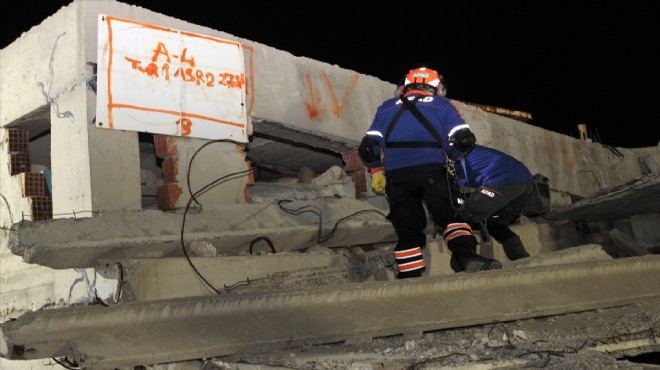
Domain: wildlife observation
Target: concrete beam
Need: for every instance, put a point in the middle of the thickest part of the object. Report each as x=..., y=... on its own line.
x=230, y=229
x=167, y=278
x=138, y=333
x=639, y=196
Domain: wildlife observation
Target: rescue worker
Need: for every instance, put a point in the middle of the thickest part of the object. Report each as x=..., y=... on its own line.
x=499, y=187
x=405, y=149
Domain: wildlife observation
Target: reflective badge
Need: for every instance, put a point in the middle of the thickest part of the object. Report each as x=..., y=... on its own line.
x=487, y=193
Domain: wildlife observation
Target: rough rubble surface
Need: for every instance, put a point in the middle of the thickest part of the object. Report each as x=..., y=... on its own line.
x=598, y=339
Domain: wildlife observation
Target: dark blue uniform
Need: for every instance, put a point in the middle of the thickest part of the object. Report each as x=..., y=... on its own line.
x=426, y=150
x=414, y=164
x=501, y=185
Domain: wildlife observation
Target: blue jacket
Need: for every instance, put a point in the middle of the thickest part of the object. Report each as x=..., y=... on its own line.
x=483, y=166
x=399, y=152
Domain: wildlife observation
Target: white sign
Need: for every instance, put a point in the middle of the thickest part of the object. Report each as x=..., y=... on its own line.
x=159, y=80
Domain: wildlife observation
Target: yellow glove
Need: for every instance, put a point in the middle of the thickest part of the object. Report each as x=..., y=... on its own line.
x=378, y=182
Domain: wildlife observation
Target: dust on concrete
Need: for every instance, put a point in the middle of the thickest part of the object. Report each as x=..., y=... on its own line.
x=596, y=339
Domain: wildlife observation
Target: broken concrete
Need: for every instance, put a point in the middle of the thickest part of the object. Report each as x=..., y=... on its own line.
x=167, y=278
x=608, y=338
x=230, y=229
x=302, y=114
x=639, y=196
x=135, y=333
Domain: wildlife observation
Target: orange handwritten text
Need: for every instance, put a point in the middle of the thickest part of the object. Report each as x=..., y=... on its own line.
x=161, y=60
x=186, y=126
x=338, y=107
x=315, y=107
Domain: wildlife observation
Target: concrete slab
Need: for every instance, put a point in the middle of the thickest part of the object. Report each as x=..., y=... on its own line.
x=230, y=229
x=166, y=278
x=612, y=338
x=638, y=196
x=137, y=333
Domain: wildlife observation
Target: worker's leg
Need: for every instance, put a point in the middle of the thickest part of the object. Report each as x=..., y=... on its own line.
x=511, y=243
x=456, y=232
x=408, y=217
x=514, y=248
x=498, y=227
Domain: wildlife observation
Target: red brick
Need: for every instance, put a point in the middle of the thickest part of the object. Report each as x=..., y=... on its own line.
x=168, y=194
x=33, y=184
x=170, y=168
x=164, y=146
x=19, y=141
x=20, y=162
x=360, y=181
x=42, y=208
x=352, y=161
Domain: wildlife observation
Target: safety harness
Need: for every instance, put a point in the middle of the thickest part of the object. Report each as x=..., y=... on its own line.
x=411, y=105
x=449, y=163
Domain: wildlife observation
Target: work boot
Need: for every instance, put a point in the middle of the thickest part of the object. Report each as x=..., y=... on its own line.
x=514, y=248
x=472, y=262
x=453, y=263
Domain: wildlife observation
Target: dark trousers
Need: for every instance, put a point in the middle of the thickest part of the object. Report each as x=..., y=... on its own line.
x=408, y=190
x=501, y=210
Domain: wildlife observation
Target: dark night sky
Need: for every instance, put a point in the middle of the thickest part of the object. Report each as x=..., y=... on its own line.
x=565, y=62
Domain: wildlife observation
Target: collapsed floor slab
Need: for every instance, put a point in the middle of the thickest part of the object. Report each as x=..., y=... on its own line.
x=137, y=333
x=230, y=229
x=638, y=196
x=167, y=278
x=606, y=338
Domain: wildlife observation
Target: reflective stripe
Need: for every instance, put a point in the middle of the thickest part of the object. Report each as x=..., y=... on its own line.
x=457, y=234
x=412, y=266
x=412, y=252
x=458, y=225
x=410, y=259
x=374, y=133
x=455, y=230
x=459, y=127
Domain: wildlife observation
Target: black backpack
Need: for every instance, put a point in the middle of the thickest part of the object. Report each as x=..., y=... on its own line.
x=538, y=203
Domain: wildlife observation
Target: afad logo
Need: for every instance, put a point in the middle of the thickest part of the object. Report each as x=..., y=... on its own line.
x=487, y=193
x=422, y=75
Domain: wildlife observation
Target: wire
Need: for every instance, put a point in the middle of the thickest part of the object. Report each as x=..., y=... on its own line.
x=185, y=252
x=334, y=229
x=11, y=218
x=68, y=364
x=302, y=210
x=193, y=198
x=205, y=188
x=266, y=239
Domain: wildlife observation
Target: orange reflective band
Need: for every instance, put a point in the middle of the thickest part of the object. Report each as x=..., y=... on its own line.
x=457, y=229
x=457, y=226
x=457, y=234
x=412, y=252
x=412, y=266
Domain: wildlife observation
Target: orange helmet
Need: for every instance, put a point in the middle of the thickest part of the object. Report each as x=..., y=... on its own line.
x=424, y=80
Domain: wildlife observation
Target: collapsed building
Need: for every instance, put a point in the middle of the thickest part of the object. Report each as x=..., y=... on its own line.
x=174, y=194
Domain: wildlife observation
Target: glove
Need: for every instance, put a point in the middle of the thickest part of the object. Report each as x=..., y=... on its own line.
x=378, y=181
x=463, y=140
